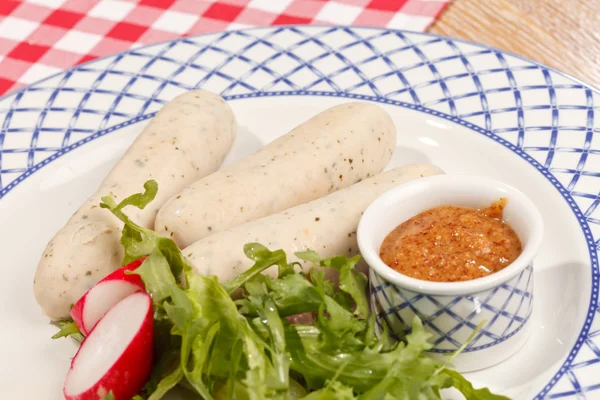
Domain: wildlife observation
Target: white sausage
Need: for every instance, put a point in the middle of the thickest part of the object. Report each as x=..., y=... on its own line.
x=336, y=148
x=186, y=140
x=327, y=225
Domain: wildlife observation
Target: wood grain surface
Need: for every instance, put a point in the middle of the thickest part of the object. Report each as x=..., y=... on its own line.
x=564, y=34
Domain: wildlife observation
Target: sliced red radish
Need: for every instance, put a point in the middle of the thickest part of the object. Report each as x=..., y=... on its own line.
x=117, y=355
x=104, y=295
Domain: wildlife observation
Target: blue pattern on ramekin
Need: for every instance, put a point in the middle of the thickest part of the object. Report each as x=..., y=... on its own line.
x=506, y=309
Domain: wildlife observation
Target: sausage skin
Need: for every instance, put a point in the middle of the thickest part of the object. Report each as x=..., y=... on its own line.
x=326, y=225
x=336, y=148
x=186, y=140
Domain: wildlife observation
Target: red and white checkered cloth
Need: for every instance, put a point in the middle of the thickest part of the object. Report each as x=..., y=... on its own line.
x=41, y=37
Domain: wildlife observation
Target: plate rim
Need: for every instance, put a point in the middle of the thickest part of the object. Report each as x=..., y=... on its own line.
x=593, y=253
x=304, y=26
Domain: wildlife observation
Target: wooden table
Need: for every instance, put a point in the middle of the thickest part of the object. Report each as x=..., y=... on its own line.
x=564, y=34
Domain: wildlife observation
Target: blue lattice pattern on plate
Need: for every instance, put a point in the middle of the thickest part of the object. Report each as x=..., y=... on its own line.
x=452, y=319
x=543, y=116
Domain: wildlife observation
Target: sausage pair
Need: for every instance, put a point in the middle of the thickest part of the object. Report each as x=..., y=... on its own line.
x=326, y=225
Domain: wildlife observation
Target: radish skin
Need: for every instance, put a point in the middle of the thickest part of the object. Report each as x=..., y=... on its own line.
x=97, y=301
x=117, y=355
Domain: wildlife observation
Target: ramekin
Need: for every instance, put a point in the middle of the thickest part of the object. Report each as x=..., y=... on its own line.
x=451, y=311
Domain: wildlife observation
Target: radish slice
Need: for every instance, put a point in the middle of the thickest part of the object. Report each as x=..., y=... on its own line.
x=104, y=295
x=117, y=355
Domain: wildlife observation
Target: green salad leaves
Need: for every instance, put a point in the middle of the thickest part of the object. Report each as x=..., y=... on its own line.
x=68, y=328
x=297, y=336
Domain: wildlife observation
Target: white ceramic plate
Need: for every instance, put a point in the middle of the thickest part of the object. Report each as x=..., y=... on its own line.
x=465, y=107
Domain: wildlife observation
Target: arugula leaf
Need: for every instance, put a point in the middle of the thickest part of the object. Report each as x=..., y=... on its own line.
x=353, y=282
x=466, y=388
x=136, y=240
x=294, y=294
x=235, y=364
x=264, y=259
x=309, y=255
x=166, y=383
x=157, y=276
x=200, y=352
x=273, y=324
x=361, y=370
x=140, y=200
x=68, y=328
x=109, y=396
x=166, y=372
x=339, y=327
x=180, y=310
x=333, y=391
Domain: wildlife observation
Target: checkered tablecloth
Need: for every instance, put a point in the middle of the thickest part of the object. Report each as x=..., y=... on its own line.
x=41, y=37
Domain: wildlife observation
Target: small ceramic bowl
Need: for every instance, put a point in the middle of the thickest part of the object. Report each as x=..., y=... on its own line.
x=451, y=311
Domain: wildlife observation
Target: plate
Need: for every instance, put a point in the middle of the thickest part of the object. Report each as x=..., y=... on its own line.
x=462, y=106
